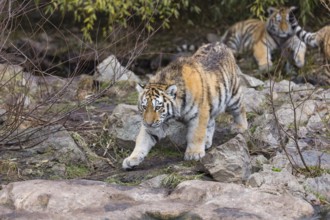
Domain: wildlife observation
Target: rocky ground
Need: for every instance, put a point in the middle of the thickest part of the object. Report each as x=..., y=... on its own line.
x=256, y=175
x=62, y=142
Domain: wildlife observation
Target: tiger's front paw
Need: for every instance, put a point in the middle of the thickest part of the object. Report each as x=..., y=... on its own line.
x=131, y=162
x=194, y=155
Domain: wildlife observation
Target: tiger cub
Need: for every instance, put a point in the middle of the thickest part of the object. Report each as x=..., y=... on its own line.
x=192, y=89
x=264, y=37
x=320, y=38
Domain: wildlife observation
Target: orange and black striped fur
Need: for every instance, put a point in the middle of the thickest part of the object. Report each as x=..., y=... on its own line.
x=320, y=39
x=192, y=89
x=263, y=37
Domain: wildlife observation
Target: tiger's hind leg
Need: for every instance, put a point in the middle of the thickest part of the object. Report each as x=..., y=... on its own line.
x=209, y=133
x=237, y=109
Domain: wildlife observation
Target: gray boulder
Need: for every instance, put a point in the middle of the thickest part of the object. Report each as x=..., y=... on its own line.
x=249, y=81
x=111, y=70
x=312, y=158
x=319, y=186
x=125, y=123
x=254, y=100
x=229, y=162
x=266, y=133
x=286, y=113
x=83, y=199
x=276, y=180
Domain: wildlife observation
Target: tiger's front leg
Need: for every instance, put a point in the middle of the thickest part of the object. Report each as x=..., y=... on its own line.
x=262, y=55
x=144, y=142
x=196, y=138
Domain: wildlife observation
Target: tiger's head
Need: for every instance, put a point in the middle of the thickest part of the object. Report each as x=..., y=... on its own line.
x=156, y=103
x=278, y=22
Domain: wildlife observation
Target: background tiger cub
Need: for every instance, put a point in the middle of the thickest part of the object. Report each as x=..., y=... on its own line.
x=321, y=39
x=193, y=89
x=263, y=37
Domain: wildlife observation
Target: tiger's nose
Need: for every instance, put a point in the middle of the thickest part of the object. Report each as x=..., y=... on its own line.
x=148, y=123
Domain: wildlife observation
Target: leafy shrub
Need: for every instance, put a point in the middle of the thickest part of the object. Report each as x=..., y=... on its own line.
x=119, y=12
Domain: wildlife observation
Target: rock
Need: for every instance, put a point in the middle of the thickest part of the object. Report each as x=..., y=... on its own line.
x=257, y=162
x=45, y=152
x=83, y=199
x=111, y=70
x=249, y=81
x=316, y=124
x=254, y=100
x=155, y=182
x=229, y=162
x=312, y=158
x=233, y=201
x=266, y=133
x=303, y=144
x=255, y=180
x=281, y=161
x=125, y=123
x=319, y=186
x=18, y=86
x=276, y=181
x=283, y=86
x=285, y=114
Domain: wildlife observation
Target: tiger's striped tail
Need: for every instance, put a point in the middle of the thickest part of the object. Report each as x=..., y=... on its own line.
x=309, y=38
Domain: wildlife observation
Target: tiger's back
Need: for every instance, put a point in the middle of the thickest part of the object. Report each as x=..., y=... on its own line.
x=208, y=79
x=192, y=89
x=241, y=36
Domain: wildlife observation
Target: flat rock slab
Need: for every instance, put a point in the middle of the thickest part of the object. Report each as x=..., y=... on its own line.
x=195, y=199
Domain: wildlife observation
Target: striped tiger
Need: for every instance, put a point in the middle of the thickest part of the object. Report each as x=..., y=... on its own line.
x=320, y=39
x=263, y=37
x=194, y=90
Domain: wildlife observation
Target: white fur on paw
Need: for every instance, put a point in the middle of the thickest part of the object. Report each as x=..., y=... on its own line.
x=194, y=155
x=129, y=163
x=208, y=145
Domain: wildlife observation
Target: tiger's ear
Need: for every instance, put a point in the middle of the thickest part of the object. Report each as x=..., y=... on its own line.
x=271, y=10
x=139, y=88
x=171, y=90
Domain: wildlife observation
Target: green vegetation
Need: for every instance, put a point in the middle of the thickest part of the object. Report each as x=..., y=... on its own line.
x=174, y=179
x=276, y=169
x=315, y=171
x=120, y=12
x=151, y=14
x=251, y=115
x=253, y=128
x=164, y=151
x=9, y=167
x=76, y=171
x=117, y=179
x=131, y=98
x=321, y=197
